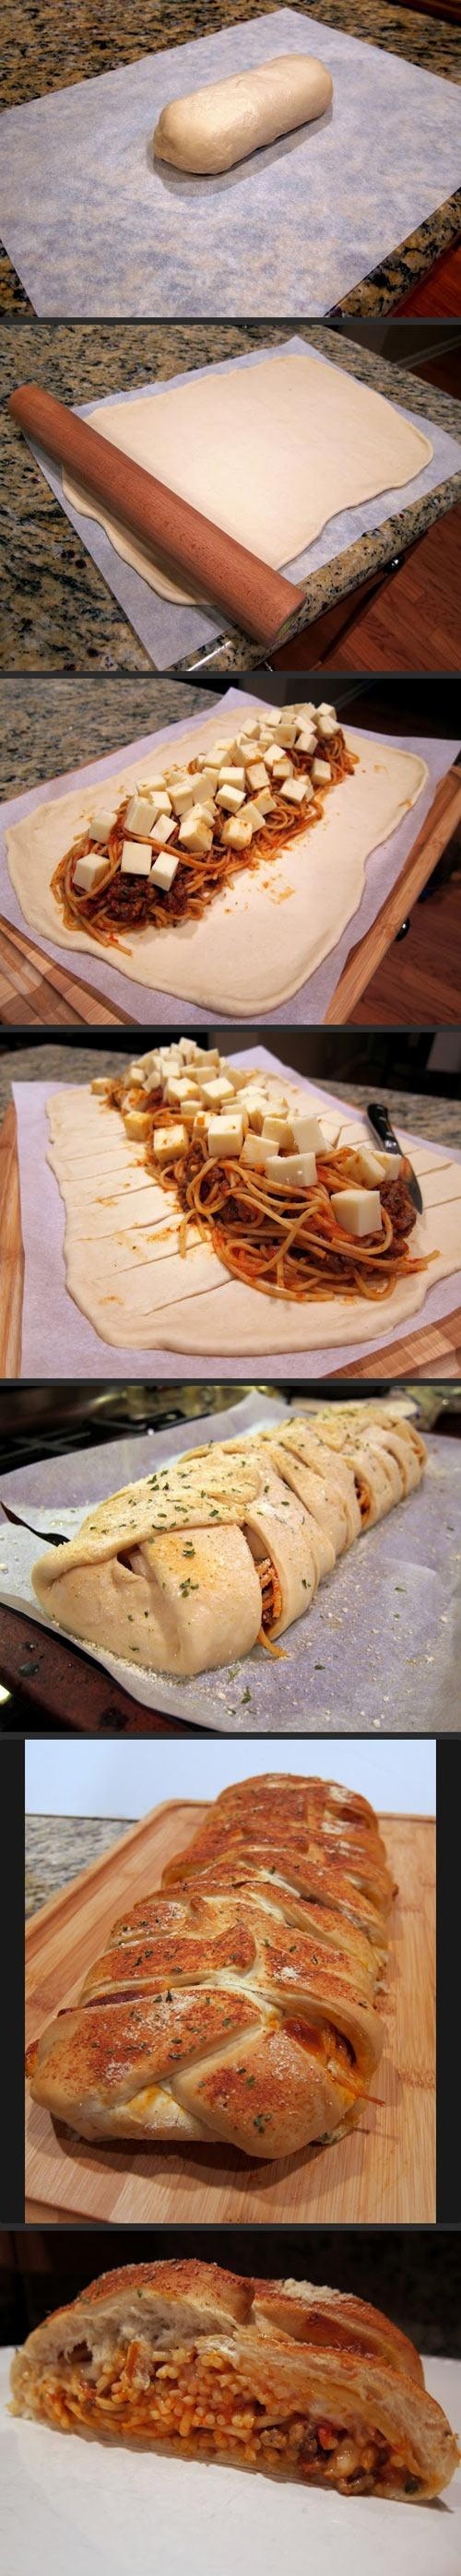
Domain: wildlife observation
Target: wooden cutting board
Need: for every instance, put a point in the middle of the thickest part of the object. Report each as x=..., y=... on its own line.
x=424, y=1351
x=36, y=993
x=384, y=2172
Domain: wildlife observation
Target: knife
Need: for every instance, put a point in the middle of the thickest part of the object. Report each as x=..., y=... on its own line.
x=380, y=1123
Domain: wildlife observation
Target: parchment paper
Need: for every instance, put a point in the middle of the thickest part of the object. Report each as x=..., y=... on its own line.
x=168, y=630
x=59, y=1341
x=311, y=1003
x=378, y=1650
x=94, y=2511
x=115, y=230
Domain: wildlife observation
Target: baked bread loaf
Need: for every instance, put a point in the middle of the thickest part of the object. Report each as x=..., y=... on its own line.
x=241, y=2002
x=273, y=2375
x=195, y=1565
x=211, y=128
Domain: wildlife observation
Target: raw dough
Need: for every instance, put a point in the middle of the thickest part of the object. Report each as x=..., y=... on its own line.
x=211, y=128
x=147, y=1297
x=296, y=908
x=269, y=452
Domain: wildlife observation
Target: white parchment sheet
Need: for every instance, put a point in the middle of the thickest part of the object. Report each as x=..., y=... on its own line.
x=116, y=231
x=377, y=1651
x=71, y=2504
x=58, y=1341
x=309, y=1005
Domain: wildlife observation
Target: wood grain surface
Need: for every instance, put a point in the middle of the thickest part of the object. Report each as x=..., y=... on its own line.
x=36, y=993
x=383, y=2172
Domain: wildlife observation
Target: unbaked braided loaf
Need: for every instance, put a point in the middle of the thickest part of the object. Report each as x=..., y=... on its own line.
x=241, y=2001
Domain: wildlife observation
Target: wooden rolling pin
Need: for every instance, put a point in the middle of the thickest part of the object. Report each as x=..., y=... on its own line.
x=251, y=594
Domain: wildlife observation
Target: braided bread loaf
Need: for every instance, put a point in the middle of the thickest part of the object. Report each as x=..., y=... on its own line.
x=241, y=2001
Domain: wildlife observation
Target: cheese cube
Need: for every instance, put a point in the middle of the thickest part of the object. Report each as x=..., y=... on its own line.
x=225, y=1135
x=168, y=1142
x=306, y=712
x=265, y=802
x=88, y=870
x=254, y=1152
x=325, y=710
x=230, y=798
x=215, y=1092
x=257, y=774
x=366, y=1165
x=208, y=780
x=357, y=1211
x=391, y=1164
x=251, y=813
x=202, y=1122
x=231, y=776
x=237, y=834
x=101, y=1081
x=177, y=1089
x=298, y=1170
x=326, y=727
x=194, y=833
x=164, y=870
x=278, y=1129
x=223, y=750
x=136, y=859
x=281, y=768
x=307, y=1135
x=161, y=832
x=184, y=795
x=249, y=729
x=142, y=812
x=102, y=823
x=306, y=741
x=137, y=1123
x=272, y=759
x=297, y=790
x=286, y=727
x=256, y=1107
x=321, y=773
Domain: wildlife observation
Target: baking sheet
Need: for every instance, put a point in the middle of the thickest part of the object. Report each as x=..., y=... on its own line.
x=380, y=1646
x=310, y=1004
x=115, y=232
x=168, y=629
x=74, y=1348
x=96, y=2512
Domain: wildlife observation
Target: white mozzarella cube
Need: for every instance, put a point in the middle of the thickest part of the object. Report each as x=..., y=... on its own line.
x=326, y=727
x=223, y=750
x=231, y=775
x=321, y=773
x=297, y=790
x=168, y=1142
x=161, y=832
x=208, y=780
x=257, y=774
x=183, y=795
x=357, y=1211
x=298, y=1170
x=237, y=834
x=254, y=1152
x=286, y=728
x=307, y=1135
x=136, y=859
x=325, y=710
x=102, y=823
x=282, y=768
x=367, y=1165
x=391, y=1164
x=88, y=870
x=194, y=833
x=225, y=1135
x=141, y=814
x=249, y=729
x=230, y=798
x=306, y=741
x=217, y=1091
x=178, y=1089
x=251, y=814
x=265, y=803
x=278, y=1129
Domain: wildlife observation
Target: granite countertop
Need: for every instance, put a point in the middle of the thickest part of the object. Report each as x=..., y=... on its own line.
x=55, y=724
x=78, y=45
x=423, y=1113
x=61, y=617
x=59, y=1847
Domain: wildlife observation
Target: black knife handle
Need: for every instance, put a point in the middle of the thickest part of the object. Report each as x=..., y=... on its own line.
x=379, y=1120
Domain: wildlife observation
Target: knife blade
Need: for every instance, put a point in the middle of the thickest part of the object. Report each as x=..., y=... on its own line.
x=381, y=1127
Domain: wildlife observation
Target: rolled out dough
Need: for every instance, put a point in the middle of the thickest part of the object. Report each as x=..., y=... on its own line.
x=141, y=1294
x=266, y=932
x=270, y=453
x=210, y=129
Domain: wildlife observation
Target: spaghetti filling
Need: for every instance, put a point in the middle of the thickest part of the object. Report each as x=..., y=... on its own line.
x=195, y=2398
x=136, y=893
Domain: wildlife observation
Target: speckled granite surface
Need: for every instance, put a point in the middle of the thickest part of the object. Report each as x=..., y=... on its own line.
x=55, y=724
x=60, y=615
x=421, y=1112
x=59, y=1847
x=64, y=46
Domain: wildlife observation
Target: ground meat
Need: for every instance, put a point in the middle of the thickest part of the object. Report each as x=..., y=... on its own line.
x=395, y=1198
